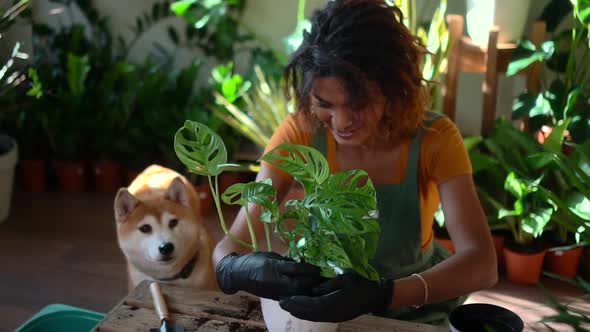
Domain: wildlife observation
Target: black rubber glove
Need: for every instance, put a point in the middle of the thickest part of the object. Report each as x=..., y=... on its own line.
x=266, y=274
x=342, y=298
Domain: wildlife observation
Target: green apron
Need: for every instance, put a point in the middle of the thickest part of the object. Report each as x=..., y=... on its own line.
x=399, y=251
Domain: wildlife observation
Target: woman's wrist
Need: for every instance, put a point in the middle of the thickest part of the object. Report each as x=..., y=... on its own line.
x=409, y=291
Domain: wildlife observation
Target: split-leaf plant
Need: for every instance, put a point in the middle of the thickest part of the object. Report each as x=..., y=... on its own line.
x=336, y=228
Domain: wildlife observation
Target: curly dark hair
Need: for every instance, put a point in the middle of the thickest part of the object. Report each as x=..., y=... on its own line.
x=363, y=41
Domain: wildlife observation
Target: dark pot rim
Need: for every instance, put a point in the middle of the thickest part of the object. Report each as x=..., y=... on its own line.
x=474, y=316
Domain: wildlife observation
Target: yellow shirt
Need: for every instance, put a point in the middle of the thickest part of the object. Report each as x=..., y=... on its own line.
x=442, y=156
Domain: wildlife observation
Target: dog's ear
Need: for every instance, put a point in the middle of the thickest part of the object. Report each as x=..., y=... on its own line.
x=125, y=203
x=177, y=192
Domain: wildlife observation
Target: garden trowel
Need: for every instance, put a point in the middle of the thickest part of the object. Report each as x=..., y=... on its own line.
x=162, y=311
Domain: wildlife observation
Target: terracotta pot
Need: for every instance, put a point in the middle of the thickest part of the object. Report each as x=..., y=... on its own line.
x=206, y=203
x=499, y=240
x=71, y=176
x=564, y=262
x=447, y=243
x=107, y=176
x=523, y=268
x=33, y=175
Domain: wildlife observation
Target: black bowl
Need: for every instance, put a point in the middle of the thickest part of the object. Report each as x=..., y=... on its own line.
x=484, y=317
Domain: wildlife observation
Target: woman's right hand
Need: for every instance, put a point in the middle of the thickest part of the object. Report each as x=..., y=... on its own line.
x=266, y=274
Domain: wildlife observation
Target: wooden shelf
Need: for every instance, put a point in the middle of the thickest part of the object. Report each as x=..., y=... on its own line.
x=492, y=59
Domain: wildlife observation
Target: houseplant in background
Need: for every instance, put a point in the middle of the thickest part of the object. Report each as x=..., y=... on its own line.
x=565, y=98
x=511, y=193
x=264, y=108
x=568, y=178
x=8, y=79
x=547, y=187
x=432, y=31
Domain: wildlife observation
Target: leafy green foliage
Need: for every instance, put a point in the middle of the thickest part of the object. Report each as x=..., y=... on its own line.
x=336, y=227
x=542, y=187
x=565, y=99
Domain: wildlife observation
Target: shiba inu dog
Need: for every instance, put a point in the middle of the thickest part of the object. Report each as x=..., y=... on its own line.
x=160, y=231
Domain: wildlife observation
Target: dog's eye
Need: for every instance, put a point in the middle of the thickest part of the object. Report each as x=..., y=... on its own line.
x=173, y=223
x=145, y=229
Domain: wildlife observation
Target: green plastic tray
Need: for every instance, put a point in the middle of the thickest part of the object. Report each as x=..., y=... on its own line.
x=61, y=317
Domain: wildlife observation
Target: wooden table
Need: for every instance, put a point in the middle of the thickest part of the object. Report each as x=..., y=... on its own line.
x=214, y=311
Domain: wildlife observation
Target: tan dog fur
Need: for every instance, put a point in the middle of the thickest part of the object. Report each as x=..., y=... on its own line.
x=156, y=197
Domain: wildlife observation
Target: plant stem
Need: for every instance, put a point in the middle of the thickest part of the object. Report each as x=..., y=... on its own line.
x=215, y=191
x=301, y=10
x=267, y=232
x=251, y=228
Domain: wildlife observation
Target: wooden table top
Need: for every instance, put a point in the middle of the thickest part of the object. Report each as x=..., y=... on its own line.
x=205, y=311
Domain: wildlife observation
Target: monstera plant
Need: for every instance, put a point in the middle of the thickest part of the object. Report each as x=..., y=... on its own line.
x=336, y=226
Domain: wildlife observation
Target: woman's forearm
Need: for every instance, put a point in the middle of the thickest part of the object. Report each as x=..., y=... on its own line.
x=460, y=274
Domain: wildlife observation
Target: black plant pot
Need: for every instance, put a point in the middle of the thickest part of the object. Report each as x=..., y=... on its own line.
x=484, y=317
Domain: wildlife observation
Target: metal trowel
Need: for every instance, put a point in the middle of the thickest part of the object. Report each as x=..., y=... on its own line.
x=162, y=311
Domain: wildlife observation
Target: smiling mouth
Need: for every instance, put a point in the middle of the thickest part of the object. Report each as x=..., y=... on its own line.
x=346, y=133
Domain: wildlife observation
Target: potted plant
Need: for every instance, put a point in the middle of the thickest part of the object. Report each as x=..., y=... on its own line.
x=571, y=194
x=564, y=99
x=512, y=191
x=324, y=235
x=8, y=146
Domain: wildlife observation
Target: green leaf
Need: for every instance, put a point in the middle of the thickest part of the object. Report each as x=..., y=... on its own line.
x=579, y=204
x=180, y=7
x=472, y=142
x=36, y=89
x=582, y=9
x=534, y=223
x=503, y=213
x=524, y=55
x=523, y=104
x=306, y=164
x=554, y=142
x=78, y=69
x=262, y=194
x=202, y=21
x=480, y=162
x=233, y=195
x=572, y=97
x=514, y=185
x=542, y=107
x=200, y=149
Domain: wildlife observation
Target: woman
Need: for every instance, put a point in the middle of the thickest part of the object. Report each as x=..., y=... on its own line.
x=362, y=102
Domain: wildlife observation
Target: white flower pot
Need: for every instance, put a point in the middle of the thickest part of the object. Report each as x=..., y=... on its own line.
x=8, y=158
x=277, y=319
x=509, y=15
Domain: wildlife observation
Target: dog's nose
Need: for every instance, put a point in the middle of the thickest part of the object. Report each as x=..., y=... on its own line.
x=166, y=248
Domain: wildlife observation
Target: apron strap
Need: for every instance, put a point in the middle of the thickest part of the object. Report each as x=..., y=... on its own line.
x=319, y=141
x=412, y=165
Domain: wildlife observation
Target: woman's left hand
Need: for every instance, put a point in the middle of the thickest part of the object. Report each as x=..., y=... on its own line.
x=342, y=298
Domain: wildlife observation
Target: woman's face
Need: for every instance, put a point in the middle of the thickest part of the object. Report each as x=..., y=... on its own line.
x=329, y=102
